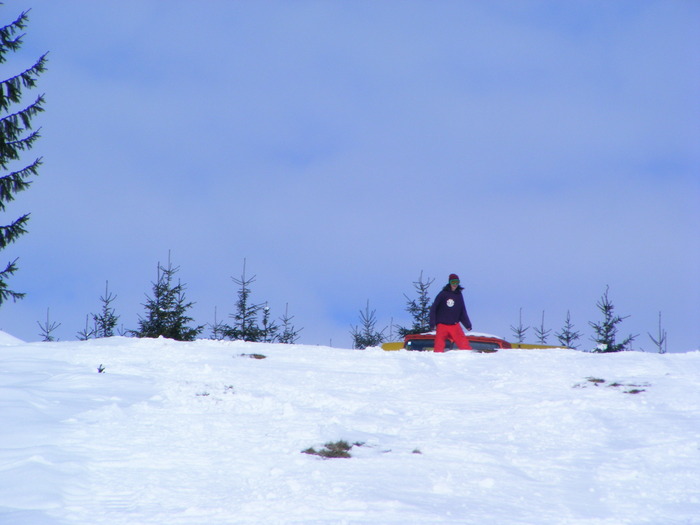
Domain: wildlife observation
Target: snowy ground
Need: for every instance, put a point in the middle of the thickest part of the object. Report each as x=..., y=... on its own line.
x=203, y=434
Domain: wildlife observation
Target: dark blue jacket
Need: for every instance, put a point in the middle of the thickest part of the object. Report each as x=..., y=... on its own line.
x=449, y=308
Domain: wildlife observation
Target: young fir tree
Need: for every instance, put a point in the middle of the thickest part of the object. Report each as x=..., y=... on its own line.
x=367, y=334
x=606, y=331
x=16, y=137
x=519, y=331
x=419, y=308
x=87, y=333
x=270, y=329
x=659, y=340
x=47, y=329
x=541, y=333
x=245, y=320
x=568, y=336
x=289, y=334
x=166, y=311
x=218, y=328
x=106, y=320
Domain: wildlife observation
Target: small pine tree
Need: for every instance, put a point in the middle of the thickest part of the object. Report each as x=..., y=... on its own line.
x=367, y=335
x=88, y=332
x=568, y=336
x=289, y=334
x=218, y=328
x=270, y=329
x=520, y=330
x=541, y=333
x=606, y=331
x=419, y=308
x=245, y=326
x=16, y=136
x=106, y=320
x=47, y=329
x=165, y=312
x=659, y=340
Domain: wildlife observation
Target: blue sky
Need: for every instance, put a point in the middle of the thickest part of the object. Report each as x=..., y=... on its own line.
x=541, y=150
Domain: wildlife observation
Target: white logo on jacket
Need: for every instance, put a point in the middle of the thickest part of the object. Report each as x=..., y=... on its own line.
x=450, y=302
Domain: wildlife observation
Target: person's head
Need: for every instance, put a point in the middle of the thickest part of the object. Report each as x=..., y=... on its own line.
x=453, y=281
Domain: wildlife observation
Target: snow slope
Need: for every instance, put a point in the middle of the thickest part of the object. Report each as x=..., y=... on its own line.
x=202, y=433
x=7, y=339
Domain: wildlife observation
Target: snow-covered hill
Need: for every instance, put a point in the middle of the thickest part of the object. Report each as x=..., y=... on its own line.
x=205, y=433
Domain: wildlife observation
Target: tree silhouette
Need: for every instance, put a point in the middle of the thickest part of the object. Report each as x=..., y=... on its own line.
x=16, y=137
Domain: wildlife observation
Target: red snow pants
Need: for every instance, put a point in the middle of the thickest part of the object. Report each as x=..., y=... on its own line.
x=454, y=333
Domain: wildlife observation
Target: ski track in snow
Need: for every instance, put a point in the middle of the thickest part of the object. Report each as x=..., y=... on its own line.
x=201, y=433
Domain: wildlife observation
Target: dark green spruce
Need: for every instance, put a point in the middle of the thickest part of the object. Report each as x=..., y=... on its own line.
x=17, y=136
x=166, y=311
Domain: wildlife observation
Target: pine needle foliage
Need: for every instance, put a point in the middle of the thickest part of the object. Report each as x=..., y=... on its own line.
x=419, y=308
x=520, y=330
x=568, y=336
x=542, y=333
x=87, y=332
x=606, y=330
x=166, y=310
x=289, y=333
x=106, y=320
x=270, y=329
x=16, y=137
x=366, y=334
x=218, y=328
x=245, y=320
x=660, y=339
x=47, y=329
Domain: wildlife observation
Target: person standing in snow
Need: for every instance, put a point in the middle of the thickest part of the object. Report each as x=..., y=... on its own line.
x=446, y=312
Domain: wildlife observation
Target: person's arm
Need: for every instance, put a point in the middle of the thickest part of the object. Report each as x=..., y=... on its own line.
x=433, y=312
x=464, y=318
